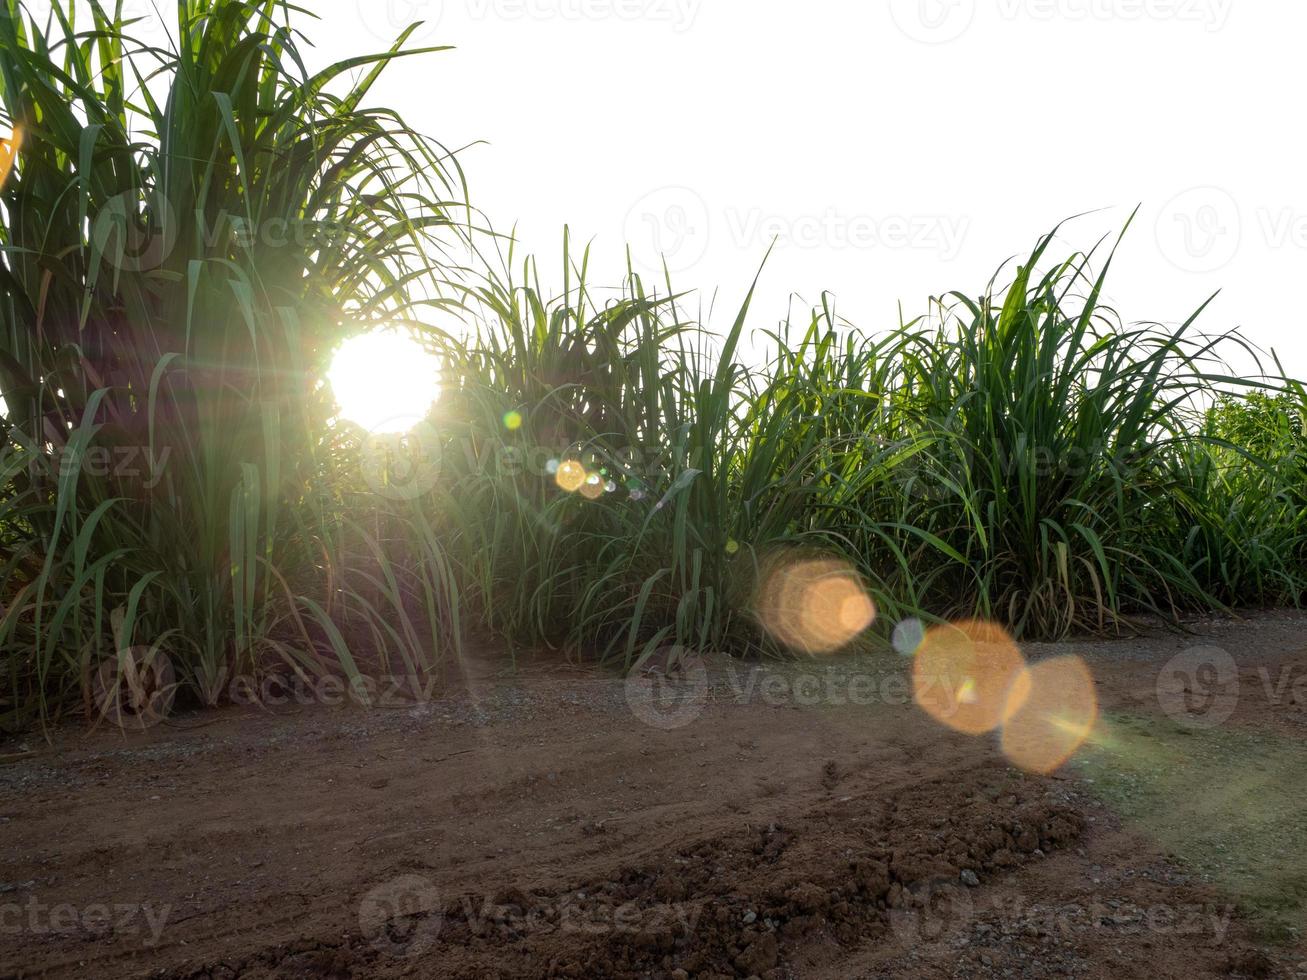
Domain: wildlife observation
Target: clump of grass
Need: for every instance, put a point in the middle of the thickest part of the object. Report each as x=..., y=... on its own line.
x=1057, y=435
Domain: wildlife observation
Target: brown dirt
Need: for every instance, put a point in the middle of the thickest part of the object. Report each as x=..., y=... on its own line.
x=532, y=825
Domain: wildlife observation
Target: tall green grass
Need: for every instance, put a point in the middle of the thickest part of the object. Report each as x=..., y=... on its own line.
x=186, y=236
x=1021, y=454
x=190, y=232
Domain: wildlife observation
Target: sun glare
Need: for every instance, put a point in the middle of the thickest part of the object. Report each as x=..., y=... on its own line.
x=384, y=382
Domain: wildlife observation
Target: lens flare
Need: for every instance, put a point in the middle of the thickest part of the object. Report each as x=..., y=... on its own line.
x=1054, y=710
x=908, y=636
x=593, y=487
x=9, y=153
x=512, y=421
x=815, y=605
x=963, y=673
x=570, y=476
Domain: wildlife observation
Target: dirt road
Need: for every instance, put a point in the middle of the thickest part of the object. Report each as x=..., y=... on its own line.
x=776, y=821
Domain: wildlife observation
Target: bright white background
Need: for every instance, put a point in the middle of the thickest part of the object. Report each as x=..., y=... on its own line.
x=900, y=148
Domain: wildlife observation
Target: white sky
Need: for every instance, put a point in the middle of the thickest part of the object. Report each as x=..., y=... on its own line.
x=900, y=148
x=903, y=147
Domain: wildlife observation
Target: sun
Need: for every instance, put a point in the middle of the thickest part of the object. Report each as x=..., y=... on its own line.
x=384, y=381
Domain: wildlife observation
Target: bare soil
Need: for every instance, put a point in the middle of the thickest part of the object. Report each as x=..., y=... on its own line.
x=802, y=820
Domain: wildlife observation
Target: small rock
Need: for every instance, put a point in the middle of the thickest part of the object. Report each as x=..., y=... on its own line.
x=969, y=878
x=750, y=917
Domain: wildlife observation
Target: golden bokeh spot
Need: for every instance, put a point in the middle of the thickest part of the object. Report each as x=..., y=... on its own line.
x=593, y=487
x=963, y=674
x=1055, y=715
x=570, y=475
x=9, y=153
x=815, y=605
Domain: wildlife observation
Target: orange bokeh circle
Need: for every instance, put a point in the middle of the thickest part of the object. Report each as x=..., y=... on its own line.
x=963, y=674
